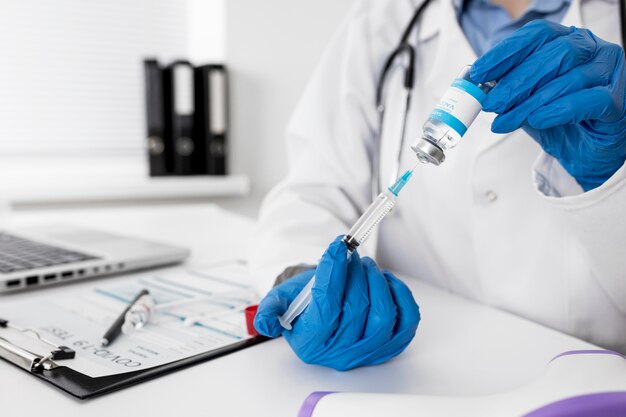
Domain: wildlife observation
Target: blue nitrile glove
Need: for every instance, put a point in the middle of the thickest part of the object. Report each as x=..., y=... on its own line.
x=567, y=89
x=359, y=315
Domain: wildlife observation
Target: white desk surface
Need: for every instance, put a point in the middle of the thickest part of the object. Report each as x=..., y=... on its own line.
x=461, y=348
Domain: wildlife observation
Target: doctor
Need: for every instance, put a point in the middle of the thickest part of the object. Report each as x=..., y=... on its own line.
x=527, y=214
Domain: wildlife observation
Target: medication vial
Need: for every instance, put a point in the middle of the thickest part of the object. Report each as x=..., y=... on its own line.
x=451, y=118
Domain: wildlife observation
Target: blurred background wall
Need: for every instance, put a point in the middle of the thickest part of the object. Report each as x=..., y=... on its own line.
x=72, y=110
x=272, y=48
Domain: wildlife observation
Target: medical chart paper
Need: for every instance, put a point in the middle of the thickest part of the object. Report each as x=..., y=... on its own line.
x=197, y=311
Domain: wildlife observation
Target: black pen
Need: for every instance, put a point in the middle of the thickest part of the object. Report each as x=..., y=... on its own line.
x=116, y=328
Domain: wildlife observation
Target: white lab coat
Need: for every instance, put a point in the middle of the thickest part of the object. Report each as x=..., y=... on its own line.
x=500, y=221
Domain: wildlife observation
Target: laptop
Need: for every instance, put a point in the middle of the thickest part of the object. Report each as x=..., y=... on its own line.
x=49, y=255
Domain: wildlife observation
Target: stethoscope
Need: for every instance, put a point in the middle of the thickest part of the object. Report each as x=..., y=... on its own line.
x=406, y=51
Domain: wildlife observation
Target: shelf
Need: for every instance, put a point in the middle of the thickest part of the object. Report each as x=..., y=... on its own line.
x=97, y=183
x=133, y=190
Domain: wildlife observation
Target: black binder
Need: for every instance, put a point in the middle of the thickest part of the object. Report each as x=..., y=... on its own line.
x=159, y=156
x=83, y=386
x=211, y=129
x=178, y=94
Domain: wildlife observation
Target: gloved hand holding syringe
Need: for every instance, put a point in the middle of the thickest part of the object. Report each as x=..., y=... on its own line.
x=357, y=313
x=364, y=226
x=443, y=130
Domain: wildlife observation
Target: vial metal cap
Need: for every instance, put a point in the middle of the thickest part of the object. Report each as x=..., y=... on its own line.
x=428, y=152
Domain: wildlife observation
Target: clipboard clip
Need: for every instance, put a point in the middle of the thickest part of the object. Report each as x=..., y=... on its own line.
x=28, y=360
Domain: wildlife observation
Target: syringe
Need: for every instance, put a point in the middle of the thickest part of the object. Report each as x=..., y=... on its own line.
x=359, y=232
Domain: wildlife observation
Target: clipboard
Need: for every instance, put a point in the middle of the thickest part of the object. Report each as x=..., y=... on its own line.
x=27, y=341
x=46, y=368
x=84, y=387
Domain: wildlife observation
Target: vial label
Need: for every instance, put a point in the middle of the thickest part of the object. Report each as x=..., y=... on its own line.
x=459, y=106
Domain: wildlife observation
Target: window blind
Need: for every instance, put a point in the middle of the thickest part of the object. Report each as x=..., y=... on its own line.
x=71, y=73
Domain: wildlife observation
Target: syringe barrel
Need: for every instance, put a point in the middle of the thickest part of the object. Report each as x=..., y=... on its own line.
x=368, y=221
x=298, y=305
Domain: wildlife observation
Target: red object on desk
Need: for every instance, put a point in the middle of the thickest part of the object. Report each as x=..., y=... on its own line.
x=250, y=313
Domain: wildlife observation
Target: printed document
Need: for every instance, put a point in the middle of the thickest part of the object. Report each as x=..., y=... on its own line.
x=197, y=311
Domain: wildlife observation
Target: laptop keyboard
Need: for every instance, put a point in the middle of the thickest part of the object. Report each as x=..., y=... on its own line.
x=19, y=254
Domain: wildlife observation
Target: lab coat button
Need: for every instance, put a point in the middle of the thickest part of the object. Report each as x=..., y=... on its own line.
x=491, y=196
